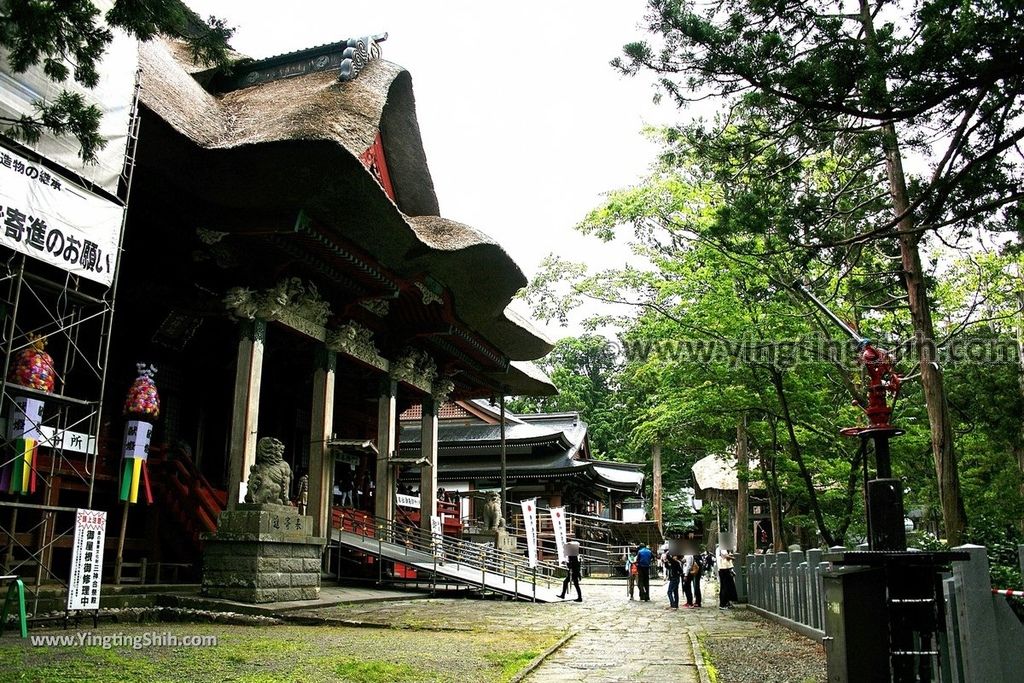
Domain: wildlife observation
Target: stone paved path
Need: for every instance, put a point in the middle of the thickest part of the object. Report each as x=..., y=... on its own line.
x=620, y=640
x=616, y=640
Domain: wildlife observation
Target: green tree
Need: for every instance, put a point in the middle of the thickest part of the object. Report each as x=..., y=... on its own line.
x=585, y=371
x=940, y=78
x=68, y=38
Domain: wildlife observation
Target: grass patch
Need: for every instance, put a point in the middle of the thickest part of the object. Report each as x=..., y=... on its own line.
x=374, y=671
x=287, y=653
x=511, y=663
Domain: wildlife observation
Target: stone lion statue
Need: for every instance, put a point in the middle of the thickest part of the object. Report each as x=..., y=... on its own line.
x=491, y=515
x=270, y=479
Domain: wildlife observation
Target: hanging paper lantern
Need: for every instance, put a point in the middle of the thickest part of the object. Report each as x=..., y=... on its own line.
x=142, y=402
x=33, y=367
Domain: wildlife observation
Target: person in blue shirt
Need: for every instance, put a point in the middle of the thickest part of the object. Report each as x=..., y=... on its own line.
x=644, y=559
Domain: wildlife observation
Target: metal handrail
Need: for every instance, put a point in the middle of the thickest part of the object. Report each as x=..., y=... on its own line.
x=461, y=553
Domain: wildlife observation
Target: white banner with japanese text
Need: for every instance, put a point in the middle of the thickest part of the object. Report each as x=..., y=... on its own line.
x=50, y=218
x=437, y=536
x=530, y=524
x=406, y=501
x=87, y=559
x=558, y=525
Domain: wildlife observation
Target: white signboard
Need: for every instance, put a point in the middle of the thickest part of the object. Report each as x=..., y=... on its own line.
x=26, y=418
x=137, y=435
x=437, y=536
x=405, y=501
x=87, y=559
x=530, y=524
x=558, y=525
x=64, y=439
x=49, y=218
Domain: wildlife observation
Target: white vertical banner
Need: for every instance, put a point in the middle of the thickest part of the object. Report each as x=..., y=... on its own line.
x=437, y=536
x=87, y=559
x=530, y=524
x=558, y=525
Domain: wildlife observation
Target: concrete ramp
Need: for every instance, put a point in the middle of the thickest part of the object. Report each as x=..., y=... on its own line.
x=517, y=585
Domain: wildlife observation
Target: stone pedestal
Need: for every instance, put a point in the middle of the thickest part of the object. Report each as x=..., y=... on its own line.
x=497, y=538
x=262, y=553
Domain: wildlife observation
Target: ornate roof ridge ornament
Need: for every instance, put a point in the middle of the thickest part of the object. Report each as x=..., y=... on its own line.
x=348, y=56
x=358, y=54
x=289, y=298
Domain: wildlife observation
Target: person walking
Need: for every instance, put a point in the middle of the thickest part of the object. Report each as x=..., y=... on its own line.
x=726, y=583
x=630, y=572
x=674, y=569
x=572, y=576
x=644, y=560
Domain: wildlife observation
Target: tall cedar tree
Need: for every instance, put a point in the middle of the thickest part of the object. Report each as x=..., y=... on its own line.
x=942, y=78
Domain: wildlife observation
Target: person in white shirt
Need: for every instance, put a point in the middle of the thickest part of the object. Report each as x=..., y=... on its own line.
x=726, y=583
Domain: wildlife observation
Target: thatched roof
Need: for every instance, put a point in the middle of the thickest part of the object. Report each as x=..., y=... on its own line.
x=718, y=473
x=296, y=143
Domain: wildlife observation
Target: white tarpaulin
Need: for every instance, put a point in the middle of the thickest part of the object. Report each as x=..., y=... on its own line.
x=558, y=524
x=87, y=559
x=113, y=96
x=50, y=218
x=530, y=523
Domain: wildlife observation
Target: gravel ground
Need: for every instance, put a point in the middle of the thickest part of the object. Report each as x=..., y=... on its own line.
x=772, y=654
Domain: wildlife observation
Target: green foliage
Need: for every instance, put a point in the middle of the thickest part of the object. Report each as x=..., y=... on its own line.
x=1001, y=542
x=69, y=39
x=585, y=371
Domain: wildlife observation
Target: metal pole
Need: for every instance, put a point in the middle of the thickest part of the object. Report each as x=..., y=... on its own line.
x=118, y=561
x=504, y=490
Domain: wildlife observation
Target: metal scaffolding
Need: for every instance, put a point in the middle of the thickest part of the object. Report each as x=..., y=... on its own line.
x=75, y=316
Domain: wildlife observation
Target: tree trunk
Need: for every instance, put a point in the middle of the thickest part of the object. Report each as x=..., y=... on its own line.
x=947, y=476
x=954, y=517
x=794, y=448
x=656, y=482
x=1019, y=448
x=742, y=492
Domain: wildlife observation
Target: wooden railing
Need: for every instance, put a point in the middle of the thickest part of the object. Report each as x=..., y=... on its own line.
x=193, y=502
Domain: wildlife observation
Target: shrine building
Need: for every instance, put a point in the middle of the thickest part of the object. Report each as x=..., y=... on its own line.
x=286, y=269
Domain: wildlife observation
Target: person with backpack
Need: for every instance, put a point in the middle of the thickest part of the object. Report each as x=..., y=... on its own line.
x=644, y=560
x=693, y=568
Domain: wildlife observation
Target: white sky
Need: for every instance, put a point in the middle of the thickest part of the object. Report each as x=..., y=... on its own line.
x=524, y=122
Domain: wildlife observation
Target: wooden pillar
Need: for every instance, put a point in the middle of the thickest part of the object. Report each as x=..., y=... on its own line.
x=387, y=408
x=321, y=462
x=428, y=472
x=246, y=411
x=656, y=483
